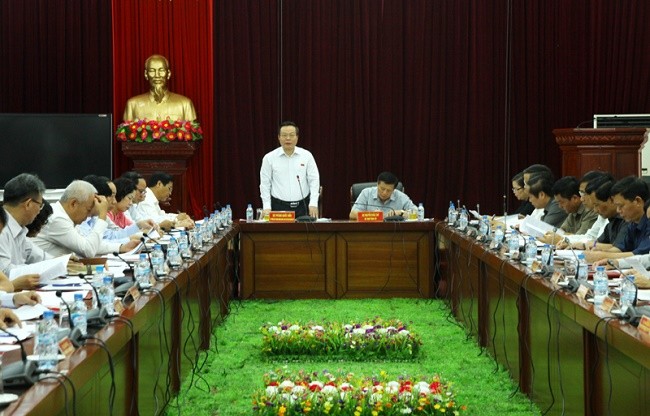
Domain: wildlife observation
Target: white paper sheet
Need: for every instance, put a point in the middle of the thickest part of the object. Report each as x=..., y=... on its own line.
x=47, y=269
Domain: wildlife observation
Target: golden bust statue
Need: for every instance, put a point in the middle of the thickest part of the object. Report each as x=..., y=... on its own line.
x=159, y=103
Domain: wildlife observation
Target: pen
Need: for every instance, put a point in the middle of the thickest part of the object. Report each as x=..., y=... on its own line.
x=594, y=246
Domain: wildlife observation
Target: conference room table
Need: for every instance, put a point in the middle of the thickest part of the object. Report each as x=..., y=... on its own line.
x=135, y=364
x=567, y=355
x=336, y=259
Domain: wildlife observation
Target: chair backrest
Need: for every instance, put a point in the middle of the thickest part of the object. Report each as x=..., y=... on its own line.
x=356, y=189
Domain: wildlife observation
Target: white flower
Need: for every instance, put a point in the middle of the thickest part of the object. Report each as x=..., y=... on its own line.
x=329, y=390
x=377, y=388
x=382, y=331
x=422, y=387
x=404, y=332
x=406, y=396
x=359, y=331
x=317, y=328
x=286, y=385
x=406, y=411
x=271, y=390
x=366, y=327
x=294, y=328
x=347, y=327
x=375, y=397
x=274, y=329
x=392, y=387
x=288, y=397
x=299, y=389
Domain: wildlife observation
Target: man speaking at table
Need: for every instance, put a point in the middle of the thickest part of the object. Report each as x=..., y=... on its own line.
x=289, y=178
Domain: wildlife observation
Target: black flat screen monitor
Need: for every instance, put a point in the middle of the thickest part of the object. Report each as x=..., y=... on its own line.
x=57, y=147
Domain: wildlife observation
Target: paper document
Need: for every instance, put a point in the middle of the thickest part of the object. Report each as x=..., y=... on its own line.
x=537, y=228
x=643, y=294
x=22, y=333
x=51, y=301
x=568, y=254
x=47, y=269
x=135, y=250
x=28, y=312
x=637, y=266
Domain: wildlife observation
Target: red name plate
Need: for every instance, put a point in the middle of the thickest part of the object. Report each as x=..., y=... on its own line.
x=282, y=216
x=370, y=216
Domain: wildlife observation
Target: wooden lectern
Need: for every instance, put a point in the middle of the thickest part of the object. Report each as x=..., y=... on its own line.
x=614, y=150
x=171, y=158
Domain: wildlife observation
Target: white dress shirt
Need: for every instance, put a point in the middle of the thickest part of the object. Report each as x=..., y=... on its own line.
x=15, y=248
x=279, y=177
x=149, y=208
x=60, y=236
x=592, y=234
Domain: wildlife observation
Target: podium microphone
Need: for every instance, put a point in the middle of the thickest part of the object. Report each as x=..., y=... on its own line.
x=20, y=373
x=307, y=217
x=75, y=333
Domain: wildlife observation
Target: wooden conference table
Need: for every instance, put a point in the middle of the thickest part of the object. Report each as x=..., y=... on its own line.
x=155, y=343
x=568, y=356
x=337, y=259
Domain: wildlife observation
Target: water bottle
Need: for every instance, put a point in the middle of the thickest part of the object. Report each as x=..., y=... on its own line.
x=158, y=260
x=601, y=285
x=582, y=271
x=451, y=214
x=228, y=214
x=420, y=212
x=107, y=295
x=195, y=239
x=173, y=254
x=206, y=233
x=513, y=243
x=498, y=234
x=47, y=347
x=249, y=213
x=184, y=245
x=213, y=224
x=96, y=282
x=79, y=318
x=220, y=220
x=628, y=292
x=547, y=255
x=531, y=250
x=484, y=226
x=463, y=221
x=143, y=272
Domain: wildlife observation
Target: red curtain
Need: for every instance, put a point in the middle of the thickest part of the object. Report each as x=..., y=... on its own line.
x=181, y=30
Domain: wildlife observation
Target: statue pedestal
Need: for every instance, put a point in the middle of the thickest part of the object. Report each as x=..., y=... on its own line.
x=172, y=158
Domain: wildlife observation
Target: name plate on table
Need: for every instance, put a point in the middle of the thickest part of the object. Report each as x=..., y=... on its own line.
x=282, y=216
x=370, y=216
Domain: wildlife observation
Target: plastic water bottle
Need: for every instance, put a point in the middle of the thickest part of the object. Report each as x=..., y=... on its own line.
x=98, y=278
x=628, y=292
x=158, y=260
x=582, y=271
x=601, y=285
x=228, y=214
x=173, y=254
x=451, y=214
x=421, y=212
x=184, y=245
x=463, y=221
x=249, y=213
x=206, y=233
x=484, y=226
x=547, y=255
x=107, y=295
x=79, y=318
x=513, y=243
x=143, y=272
x=531, y=250
x=47, y=347
x=196, y=239
x=498, y=234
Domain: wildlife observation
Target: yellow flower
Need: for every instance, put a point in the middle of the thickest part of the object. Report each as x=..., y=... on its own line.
x=282, y=410
x=436, y=406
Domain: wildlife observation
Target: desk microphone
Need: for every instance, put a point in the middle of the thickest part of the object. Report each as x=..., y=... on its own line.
x=307, y=217
x=20, y=373
x=150, y=238
x=75, y=333
x=129, y=265
x=95, y=318
x=124, y=287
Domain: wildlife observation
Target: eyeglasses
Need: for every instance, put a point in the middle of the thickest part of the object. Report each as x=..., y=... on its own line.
x=40, y=203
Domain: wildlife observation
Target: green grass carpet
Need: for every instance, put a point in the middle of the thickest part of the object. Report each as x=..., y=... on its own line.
x=234, y=365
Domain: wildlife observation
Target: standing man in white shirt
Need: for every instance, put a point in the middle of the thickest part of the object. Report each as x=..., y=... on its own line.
x=289, y=178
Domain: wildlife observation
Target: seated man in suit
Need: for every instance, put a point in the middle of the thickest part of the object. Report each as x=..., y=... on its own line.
x=60, y=235
x=383, y=197
x=540, y=189
x=630, y=196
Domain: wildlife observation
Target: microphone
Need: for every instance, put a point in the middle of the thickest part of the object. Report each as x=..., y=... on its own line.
x=124, y=287
x=20, y=373
x=151, y=238
x=307, y=217
x=76, y=336
x=636, y=288
x=95, y=318
x=116, y=254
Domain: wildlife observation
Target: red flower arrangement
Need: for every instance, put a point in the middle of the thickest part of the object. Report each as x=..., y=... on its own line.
x=147, y=131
